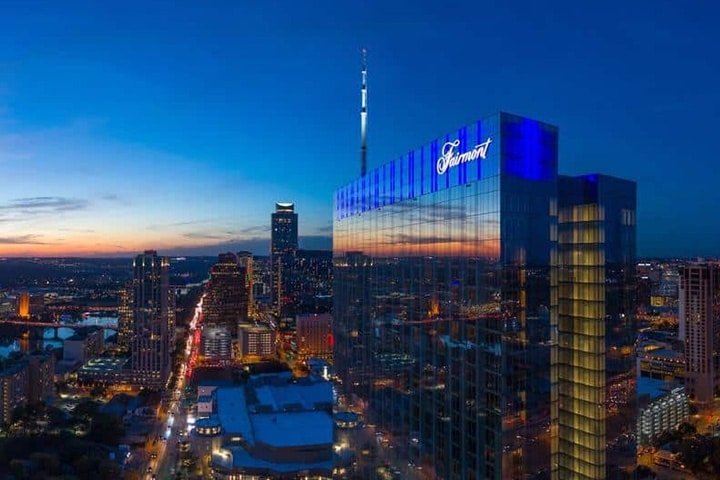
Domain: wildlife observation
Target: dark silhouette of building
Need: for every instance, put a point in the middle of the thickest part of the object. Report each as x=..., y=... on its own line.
x=226, y=296
x=150, y=344
x=125, y=317
x=312, y=281
x=283, y=249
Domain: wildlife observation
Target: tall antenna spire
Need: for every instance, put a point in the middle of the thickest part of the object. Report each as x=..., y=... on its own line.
x=363, y=115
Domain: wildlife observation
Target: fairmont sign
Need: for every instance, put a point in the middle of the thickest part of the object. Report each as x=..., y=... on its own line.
x=451, y=158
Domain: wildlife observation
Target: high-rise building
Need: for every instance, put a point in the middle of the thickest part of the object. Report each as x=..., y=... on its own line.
x=699, y=317
x=125, y=317
x=595, y=362
x=150, y=345
x=226, y=297
x=283, y=248
x=443, y=298
x=314, y=281
x=247, y=268
x=446, y=299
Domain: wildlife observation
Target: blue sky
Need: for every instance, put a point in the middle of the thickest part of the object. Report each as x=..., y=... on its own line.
x=178, y=125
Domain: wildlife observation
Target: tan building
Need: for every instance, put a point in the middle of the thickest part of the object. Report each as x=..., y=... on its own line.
x=314, y=335
x=699, y=318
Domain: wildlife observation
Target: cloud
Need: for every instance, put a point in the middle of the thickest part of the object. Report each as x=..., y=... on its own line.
x=255, y=229
x=21, y=240
x=205, y=236
x=30, y=205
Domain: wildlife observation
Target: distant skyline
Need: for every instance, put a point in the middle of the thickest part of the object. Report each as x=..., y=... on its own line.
x=127, y=126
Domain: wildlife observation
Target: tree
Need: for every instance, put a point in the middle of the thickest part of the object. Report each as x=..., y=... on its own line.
x=106, y=429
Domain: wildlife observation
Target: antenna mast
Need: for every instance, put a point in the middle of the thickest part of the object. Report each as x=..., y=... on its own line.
x=363, y=115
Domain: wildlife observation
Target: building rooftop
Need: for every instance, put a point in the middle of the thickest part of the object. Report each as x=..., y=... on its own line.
x=651, y=387
x=232, y=412
x=104, y=364
x=278, y=410
x=291, y=429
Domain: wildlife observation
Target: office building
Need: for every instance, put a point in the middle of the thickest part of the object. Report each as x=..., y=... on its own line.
x=595, y=363
x=247, y=269
x=283, y=248
x=256, y=341
x=216, y=344
x=125, y=317
x=314, y=286
x=699, y=318
x=446, y=300
x=225, y=304
x=442, y=296
x=314, y=336
x=150, y=345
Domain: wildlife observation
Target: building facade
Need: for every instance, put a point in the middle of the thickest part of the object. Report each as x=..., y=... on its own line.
x=13, y=389
x=699, y=318
x=595, y=363
x=443, y=299
x=660, y=410
x=125, y=317
x=225, y=304
x=256, y=341
x=314, y=336
x=41, y=376
x=150, y=344
x=283, y=249
x=446, y=300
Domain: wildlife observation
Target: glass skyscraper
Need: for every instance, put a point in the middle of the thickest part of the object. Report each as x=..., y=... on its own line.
x=283, y=248
x=151, y=342
x=446, y=299
x=595, y=363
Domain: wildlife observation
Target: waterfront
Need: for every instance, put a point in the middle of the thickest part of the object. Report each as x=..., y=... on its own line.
x=53, y=336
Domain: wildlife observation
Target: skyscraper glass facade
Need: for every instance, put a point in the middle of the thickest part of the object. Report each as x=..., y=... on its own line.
x=595, y=363
x=283, y=248
x=443, y=299
x=453, y=266
x=150, y=345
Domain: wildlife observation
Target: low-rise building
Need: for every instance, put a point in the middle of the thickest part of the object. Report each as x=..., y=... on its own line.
x=276, y=426
x=662, y=407
x=256, y=340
